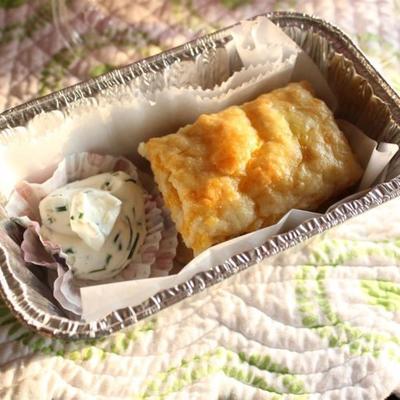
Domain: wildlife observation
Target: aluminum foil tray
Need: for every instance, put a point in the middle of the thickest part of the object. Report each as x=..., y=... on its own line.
x=364, y=97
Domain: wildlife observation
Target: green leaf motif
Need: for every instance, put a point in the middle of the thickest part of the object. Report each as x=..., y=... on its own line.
x=55, y=71
x=232, y=4
x=19, y=30
x=242, y=367
x=382, y=293
x=15, y=327
x=12, y=3
x=311, y=281
x=80, y=350
x=100, y=70
x=84, y=350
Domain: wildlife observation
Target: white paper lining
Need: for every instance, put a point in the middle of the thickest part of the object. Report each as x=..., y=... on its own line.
x=115, y=126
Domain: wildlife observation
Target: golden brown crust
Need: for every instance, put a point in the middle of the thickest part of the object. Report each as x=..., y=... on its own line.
x=244, y=167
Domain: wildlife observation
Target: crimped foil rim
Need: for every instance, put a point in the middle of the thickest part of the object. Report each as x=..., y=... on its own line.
x=348, y=48
x=68, y=329
x=23, y=113
x=12, y=289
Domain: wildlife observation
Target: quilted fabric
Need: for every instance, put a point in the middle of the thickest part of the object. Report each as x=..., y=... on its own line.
x=45, y=47
x=322, y=321
x=319, y=321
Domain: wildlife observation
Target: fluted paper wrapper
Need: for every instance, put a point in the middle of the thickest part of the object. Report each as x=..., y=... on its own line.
x=154, y=255
x=170, y=91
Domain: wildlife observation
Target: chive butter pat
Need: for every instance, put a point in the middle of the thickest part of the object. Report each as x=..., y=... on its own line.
x=98, y=222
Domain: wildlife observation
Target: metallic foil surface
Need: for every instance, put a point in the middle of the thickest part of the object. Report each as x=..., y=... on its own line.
x=364, y=99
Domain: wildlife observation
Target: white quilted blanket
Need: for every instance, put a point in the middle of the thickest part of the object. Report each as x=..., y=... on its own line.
x=319, y=322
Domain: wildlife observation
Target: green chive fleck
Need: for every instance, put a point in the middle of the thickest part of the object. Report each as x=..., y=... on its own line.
x=120, y=247
x=69, y=251
x=80, y=215
x=61, y=208
x=130, y=231
x=109, y=256
x=50, y=220
x=116, y=237
x=134, y=246
x=72, y=217
x=97, y=270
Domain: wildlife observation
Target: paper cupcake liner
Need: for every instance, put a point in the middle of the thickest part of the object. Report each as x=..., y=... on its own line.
x=155, y=258
x=66, y=290
x=24, y=204
x=165, y=256
x=169, y=242
x=35, y=248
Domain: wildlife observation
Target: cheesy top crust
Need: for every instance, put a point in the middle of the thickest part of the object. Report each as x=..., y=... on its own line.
x=243, y=168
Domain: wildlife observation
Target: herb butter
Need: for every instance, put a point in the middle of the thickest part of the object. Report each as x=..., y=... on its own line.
x=98, y=222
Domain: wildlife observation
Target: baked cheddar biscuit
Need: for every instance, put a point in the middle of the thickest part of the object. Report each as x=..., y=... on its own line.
x=244, y=167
